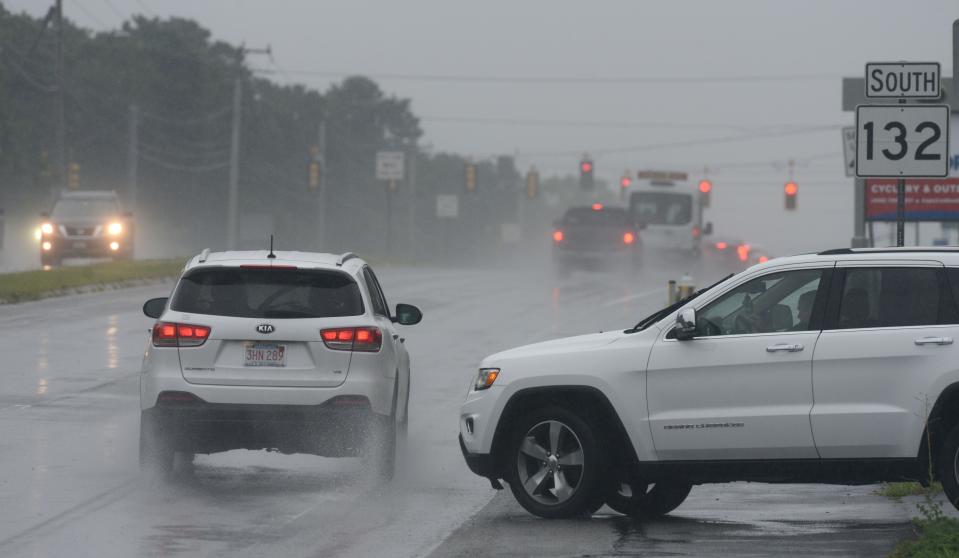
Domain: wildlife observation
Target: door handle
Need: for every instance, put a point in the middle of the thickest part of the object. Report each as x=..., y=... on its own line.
x=934, y=341
x=785, y=348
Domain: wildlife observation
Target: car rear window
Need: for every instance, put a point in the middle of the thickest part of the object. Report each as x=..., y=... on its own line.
x=609, y=216
x=267, y=293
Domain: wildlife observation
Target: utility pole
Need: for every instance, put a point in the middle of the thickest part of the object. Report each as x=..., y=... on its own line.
x=324, y=185
x=233, y=195
x=411, y=187
x=133, y=160
x=61, y=117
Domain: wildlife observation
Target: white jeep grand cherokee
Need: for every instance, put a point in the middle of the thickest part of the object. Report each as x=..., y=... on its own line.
x=837, y=367
x=291, y=351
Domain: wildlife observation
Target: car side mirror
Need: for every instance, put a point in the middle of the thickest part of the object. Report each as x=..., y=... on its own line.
x=686, y=324
x=154, y=307
x=708, y=229
x=407, y=314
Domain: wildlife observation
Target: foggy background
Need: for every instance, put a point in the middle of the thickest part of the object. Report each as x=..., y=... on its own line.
x=738, y=88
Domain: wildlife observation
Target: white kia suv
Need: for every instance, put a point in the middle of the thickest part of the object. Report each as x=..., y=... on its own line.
x=838, y=367
x=293, y=351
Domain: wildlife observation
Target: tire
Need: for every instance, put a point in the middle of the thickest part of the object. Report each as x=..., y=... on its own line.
x=544, y=431
x=947, y=466
x=658, y=499
x=156, y=446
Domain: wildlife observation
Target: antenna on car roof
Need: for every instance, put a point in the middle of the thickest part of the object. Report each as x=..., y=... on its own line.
x=271, y=255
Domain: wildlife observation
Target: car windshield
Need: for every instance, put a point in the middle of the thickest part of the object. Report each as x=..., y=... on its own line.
x=662, y=208
x=267, y=293
x=587, y=216
x=86, y=208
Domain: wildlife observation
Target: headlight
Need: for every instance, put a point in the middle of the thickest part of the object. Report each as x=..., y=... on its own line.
x=115, y=228
x=485, y=378
x=46, y=228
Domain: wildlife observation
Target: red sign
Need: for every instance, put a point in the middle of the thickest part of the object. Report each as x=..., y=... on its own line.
x=927, y=199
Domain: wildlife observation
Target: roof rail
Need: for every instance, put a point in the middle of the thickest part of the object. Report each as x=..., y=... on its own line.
x=835, y=252
x=346, y=257
x=203, y=255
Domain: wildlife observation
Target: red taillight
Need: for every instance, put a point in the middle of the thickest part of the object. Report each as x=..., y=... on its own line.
x=557, y=236
x=166, y=334
x=743, y=252
x=763, y=259
x=721, y=245
x=266, y=266
x=367, y=339
x=697, y=232
x=597, y=207
x=629, y=238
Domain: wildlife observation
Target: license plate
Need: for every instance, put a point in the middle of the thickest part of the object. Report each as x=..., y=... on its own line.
x=264, y=354
x=79, y=244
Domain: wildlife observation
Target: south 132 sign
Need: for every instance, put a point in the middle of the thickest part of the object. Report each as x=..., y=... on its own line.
x=894, y=141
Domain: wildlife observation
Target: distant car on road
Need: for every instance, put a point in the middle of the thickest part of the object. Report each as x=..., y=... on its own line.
x=292, y=351
x=86, y=224
x=837, y=368
x=595, y=235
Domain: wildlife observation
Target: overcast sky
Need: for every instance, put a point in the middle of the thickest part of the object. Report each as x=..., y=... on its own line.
x=614, y=78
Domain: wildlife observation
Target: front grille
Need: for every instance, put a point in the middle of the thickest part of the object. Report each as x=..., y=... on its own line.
x=80, y=231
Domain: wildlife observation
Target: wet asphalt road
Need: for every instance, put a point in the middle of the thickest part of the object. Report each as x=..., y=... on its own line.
x=70, y=485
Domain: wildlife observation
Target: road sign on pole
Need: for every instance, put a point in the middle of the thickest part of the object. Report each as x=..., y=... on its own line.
x=389, y=165
x=902, y=80
x=849, y=149
x=910, y=141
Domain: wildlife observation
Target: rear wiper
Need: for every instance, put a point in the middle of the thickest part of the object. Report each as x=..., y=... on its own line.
x=656, y=316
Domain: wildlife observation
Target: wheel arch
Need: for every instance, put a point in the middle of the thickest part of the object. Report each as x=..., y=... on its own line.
x=588, y=402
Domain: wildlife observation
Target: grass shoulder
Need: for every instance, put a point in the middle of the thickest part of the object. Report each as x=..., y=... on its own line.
x=33, y=285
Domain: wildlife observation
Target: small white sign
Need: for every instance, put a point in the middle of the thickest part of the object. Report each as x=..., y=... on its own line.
x=447, y=206
x=902, y=80
x=389, y=165
x=849, y=149
x=894, y=141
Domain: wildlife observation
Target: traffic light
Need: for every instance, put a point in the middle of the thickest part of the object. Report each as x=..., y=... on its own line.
x=73, y=176
x=791, y=189
x=586, y=181
x=705, y=191
x=532, y=183
x=470, y=176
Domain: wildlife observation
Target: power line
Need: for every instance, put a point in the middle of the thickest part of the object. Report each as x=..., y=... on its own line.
x=114, y=9
x=563, y=80
x=89, y=14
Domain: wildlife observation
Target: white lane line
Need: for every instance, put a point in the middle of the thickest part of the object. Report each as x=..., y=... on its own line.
x=634, y=296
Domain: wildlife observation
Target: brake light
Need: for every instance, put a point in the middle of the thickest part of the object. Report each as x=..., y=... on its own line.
x=597, y=207
x=167, y=334
x=365, y=339
x=763, y=259
x=696, y=232
x=629, y=238
x=743, y=252
x=558, y=236
x=267, y=266
x=721, y=245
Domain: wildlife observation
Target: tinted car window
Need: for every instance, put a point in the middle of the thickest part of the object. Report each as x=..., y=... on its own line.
x=376, y=294
x=889, y=297
x=267, y=293
x=778, y=302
